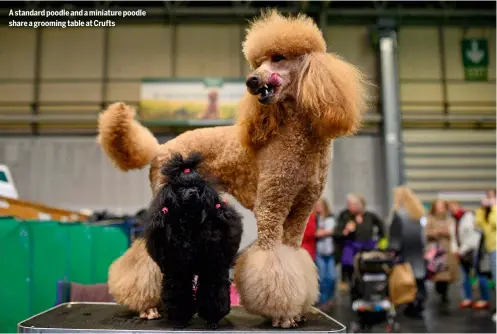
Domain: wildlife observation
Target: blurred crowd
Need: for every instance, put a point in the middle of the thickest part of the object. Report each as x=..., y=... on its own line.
x=446, y=245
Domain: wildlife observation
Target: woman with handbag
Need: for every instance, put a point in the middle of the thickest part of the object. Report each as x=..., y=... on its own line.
x=407, y=239
x=467, y=244
x=486, y=220
x=441, y=248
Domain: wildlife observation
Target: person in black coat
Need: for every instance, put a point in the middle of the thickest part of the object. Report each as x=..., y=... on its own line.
x=356, y=227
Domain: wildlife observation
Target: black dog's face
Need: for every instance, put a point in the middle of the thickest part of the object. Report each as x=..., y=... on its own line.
x=188, y=186
x=189, y=194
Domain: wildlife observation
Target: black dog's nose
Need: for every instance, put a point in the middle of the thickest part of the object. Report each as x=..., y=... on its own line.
x=188, y=193
x=252, y=82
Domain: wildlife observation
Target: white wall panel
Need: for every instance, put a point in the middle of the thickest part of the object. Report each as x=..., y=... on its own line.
x=16, y=92
x=245, y=65
x=17, y=61
x=208, y=50
x=451, y=160
x=420, y=70
x=123, y=91
x=471, y=92
x=17, y=56
x=353, y=44
x=419, y=53
x=358, y=166
x=72, y=53
x=473, y=137
x=421, y=97
x=71, y=92
x=140, y=51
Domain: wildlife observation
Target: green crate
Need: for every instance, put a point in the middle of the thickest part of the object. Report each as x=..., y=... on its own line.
x=35, y=255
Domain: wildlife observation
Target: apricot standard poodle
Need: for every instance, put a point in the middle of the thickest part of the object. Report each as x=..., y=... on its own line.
x=274, y=161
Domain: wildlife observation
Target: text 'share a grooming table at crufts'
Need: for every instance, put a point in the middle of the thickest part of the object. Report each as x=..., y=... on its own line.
x=109, y=317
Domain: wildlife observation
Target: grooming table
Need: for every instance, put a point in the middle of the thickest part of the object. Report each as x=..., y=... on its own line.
x=110, y=317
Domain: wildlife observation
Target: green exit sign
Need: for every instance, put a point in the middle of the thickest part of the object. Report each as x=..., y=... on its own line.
x=475, y=59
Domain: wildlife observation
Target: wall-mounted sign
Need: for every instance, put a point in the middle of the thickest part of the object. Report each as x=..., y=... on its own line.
x=190, y=99
x=475, y=59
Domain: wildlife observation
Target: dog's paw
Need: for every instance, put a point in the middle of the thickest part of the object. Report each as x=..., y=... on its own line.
x=274, y=284
x=150, y=314
x=285, y=323
x=300, y=318
x=153, y=314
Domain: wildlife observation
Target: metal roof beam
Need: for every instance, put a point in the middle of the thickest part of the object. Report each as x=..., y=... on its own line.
x=403, y=12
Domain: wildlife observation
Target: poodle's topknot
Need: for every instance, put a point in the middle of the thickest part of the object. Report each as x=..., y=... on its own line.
x=177, y=164
x=273, y=33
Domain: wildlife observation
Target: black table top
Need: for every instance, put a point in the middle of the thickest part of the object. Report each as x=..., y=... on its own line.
x=105, y=317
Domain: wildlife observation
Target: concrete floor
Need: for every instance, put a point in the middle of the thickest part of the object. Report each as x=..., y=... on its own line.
x=435, y=319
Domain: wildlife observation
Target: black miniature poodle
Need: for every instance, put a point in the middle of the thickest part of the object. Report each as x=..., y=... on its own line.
x=192, y=232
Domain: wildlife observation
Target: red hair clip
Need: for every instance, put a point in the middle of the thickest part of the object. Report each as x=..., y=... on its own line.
x=187, y=170
x=165, y=210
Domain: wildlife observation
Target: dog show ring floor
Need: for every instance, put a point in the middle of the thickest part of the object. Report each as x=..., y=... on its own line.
x=109, y=317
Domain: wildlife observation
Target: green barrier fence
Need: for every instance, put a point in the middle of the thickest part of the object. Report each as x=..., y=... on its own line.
x=34, y=255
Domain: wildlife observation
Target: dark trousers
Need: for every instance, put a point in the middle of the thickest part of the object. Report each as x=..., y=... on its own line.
x=442, y=288
x=347, y=272
x=416, y=307
x=421, y=295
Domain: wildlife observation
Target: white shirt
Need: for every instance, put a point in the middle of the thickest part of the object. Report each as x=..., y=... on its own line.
x=324, y=246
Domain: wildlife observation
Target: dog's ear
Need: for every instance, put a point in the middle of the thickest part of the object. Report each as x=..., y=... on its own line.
x=333, y=94
x=164, y=198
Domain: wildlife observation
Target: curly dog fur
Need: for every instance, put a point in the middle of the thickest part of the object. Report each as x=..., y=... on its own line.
x=136, y=281
x=274, y=160
x=192, y=232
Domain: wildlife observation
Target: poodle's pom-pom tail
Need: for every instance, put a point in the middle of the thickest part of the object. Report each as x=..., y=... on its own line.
x=127, y=143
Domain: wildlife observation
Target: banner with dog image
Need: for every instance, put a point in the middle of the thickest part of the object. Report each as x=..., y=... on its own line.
x=190, y=99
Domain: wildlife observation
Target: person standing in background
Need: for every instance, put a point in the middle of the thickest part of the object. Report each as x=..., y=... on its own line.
x=468, y=241
x=407, y=238
x=440, y=232
x=353, y=208
x=325, y=260
x=485, y=219
x=309, y=239
x=355, y=230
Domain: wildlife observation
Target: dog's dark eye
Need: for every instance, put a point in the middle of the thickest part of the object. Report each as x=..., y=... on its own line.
x=277, y=58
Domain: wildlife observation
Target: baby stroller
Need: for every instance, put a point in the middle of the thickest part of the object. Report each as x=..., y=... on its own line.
x=370, y=292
